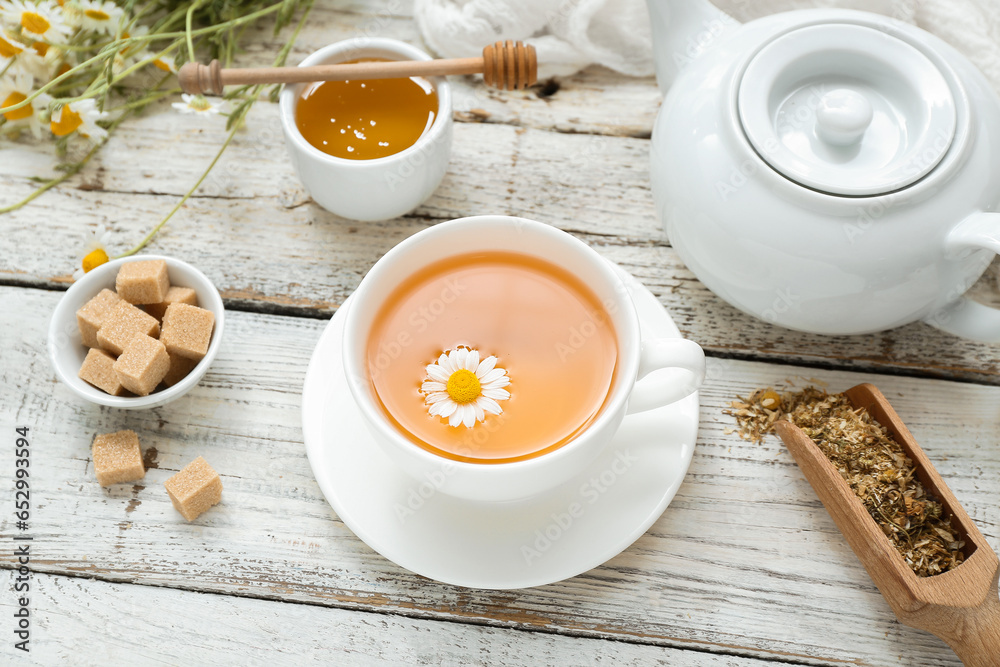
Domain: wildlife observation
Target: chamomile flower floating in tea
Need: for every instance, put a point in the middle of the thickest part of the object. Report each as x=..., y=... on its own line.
x=558, y=343
x=462, y=389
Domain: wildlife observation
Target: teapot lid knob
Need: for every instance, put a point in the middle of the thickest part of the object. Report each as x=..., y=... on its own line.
x=842, y=116
x=847, y=109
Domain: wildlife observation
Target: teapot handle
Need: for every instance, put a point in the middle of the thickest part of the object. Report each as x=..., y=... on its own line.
x=964, y=317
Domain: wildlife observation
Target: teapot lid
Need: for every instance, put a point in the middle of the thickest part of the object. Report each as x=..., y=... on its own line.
x=846, y=109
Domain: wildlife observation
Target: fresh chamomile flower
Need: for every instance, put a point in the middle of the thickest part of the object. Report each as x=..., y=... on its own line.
x=42, y=61
x=15, y=89
x=122, y=61
x=34, y=59
x=131, y=53
x=10, y=50
x=80, y=117
x=95, y=251
x=199, y=104
x=43, y=20
x=166, y=64
x=97, y=16
x=462, y=389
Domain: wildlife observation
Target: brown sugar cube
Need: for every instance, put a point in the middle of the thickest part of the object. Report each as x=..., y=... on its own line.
x=194, y=489
x=97, y=370
x=187, y=330
x=117, y=458
x=143, y=282
x=179, y=368
x=142, y=364
x=124, y=321
x=174, y=295
x=91, y=316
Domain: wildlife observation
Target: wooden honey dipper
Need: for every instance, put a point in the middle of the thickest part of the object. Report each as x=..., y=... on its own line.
x=507, y=65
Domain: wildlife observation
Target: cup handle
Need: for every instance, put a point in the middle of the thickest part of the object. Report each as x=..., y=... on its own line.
x=659, y=353
x=964, y=317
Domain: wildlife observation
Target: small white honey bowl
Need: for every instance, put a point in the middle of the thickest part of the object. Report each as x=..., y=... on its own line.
x=67, y=351
x=379, y=188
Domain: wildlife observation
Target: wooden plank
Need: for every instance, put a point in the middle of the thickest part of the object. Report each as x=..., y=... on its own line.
x=591, y=184
x=159, y=626
x=267, y=247
x=745, y=560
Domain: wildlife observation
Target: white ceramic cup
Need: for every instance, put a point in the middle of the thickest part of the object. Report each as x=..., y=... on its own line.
x=376, y=189
x=67, y=352
x=636, y=357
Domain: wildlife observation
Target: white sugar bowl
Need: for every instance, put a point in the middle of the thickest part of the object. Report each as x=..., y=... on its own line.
x=831, y=171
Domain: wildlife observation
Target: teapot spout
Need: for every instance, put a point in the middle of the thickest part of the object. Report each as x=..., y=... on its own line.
x=682, y=31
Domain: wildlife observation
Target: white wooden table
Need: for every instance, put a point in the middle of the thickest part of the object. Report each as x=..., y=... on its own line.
x=744, y=568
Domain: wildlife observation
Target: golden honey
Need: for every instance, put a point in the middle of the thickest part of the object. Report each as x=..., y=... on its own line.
x=366, y=119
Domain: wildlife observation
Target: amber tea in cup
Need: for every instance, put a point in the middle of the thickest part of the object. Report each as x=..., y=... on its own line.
x=492, y=357
x=366, y=119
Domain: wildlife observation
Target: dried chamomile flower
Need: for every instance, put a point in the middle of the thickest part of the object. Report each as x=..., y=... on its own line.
x=872, y=463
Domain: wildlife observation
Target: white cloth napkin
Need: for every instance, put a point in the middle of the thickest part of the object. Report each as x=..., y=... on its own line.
x=572, y=34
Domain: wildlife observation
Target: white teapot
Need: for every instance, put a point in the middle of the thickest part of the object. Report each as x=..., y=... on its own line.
x=831, y=171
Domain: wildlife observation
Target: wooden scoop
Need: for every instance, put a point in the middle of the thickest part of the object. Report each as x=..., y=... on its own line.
x=509, y=65
x=961, y=605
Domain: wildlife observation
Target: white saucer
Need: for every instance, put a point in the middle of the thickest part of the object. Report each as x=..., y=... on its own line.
x=496, y=546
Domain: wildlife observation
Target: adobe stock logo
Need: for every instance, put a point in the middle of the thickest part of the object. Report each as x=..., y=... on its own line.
x=578, y=335
x=590, y=492
x=417, y=322
x=433, y=481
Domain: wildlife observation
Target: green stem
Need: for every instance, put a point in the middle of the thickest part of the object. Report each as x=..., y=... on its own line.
x=71, y=170
x=149, y=237
x=153, y=36
x=142, y=63
x=104, y=86
x=111, y=48
x=74, y=168
x=188, y=19
x=140, y=12
x=59, y=79
x=214, y=28
x=287, y=48
x=108, y=52
x=175, y=17
x=236, y=124
x=148, y=99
